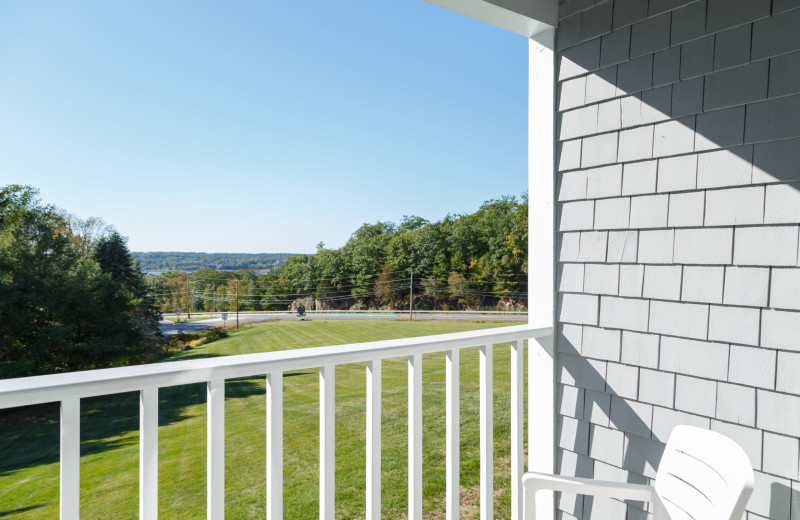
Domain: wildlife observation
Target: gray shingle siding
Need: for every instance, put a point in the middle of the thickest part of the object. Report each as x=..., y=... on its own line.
x=679, y=227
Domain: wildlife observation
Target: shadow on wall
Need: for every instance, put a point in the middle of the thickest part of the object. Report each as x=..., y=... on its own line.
x=639, y=444
x=680, y=102
x=683, y=88
x=640, y=454
x=783, y=502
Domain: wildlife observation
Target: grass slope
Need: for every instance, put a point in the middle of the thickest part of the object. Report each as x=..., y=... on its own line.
x=109, y=433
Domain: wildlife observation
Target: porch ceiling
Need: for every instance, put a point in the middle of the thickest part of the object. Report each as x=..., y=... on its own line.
x=525, y=17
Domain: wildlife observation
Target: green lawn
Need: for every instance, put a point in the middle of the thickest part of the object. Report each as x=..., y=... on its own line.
x=109, y=432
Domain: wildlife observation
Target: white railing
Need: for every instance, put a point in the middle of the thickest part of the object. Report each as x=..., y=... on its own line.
x=69, y=389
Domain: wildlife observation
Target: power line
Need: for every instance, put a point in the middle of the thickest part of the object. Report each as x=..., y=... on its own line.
x=330, y=298
x=320, y=288
x=302, y=294
x=446, y=288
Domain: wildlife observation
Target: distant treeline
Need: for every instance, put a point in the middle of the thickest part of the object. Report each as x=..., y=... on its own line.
x=176, y=261
x=461, y=262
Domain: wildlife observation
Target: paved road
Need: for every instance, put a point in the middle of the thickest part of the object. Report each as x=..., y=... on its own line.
x=169, y=327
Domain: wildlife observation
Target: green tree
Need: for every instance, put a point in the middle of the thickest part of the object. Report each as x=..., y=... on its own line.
x=411, y=223
x=60, y=310
x=459, y=288
x=487, y=249
x=112, y=254
x=136, y=321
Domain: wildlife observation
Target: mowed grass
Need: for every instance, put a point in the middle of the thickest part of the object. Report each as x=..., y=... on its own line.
x=110, y=451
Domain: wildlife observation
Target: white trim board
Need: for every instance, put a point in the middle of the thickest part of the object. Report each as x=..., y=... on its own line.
x=528, y=18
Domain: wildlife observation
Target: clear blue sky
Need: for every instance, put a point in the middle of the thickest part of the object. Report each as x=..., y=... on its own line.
x=258, y=126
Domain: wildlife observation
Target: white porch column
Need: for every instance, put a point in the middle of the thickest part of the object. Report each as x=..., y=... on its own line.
x=541, y=260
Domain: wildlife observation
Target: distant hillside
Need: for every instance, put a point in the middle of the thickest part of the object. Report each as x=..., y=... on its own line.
x=178, y=261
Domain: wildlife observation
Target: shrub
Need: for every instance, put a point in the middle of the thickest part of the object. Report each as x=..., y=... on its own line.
x=215, y=333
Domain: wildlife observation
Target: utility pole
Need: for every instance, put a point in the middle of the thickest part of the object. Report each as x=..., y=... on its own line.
x=411, y=298
x=237, y=303
x=188, y=299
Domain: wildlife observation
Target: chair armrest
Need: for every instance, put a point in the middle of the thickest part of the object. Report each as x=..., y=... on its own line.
x=533, y=482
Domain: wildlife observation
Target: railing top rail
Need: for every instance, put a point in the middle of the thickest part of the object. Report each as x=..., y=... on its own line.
x=44, y=389
x=348, y=311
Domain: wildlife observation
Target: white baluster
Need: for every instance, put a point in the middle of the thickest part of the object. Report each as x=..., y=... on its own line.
x=487, y=434
x=374, y=440
x=517, y=452
x=541, y=417
x=148, y=454
x=452, y=432
x=415, y=437
x=70, y=458
x=275, y=445
x=215, y=456
x=327, y=442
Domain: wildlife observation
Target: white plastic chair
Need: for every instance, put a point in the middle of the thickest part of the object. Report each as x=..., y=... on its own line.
x=703, y=475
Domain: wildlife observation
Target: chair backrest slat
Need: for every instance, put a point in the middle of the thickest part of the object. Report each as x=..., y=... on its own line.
x=676, y=512
x=681, y=496
x=703, y=475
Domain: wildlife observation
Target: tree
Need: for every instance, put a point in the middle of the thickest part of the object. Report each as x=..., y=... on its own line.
x=487, y=249
x=112, y=254
x=84, y=234
x=37, y=267
x=432, y=295
x=60, y=309
x=389, y=290
x=114, y=258
x=372, y=230
x=364, y=255
x=459, y=289
x=411, y=223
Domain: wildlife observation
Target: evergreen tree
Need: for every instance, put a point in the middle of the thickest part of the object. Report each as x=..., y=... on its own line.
x=114, y=258
x=112, y=254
